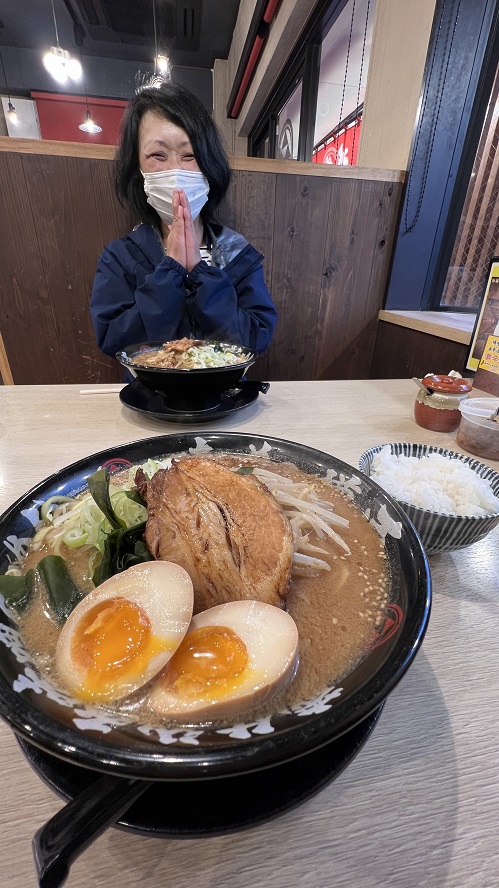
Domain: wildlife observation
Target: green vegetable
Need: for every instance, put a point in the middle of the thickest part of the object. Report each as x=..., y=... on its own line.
x=62, y=591
x=245, y=470
x=75, y=538
x=47, y=508
x=17, y=590
x=121, y=549
x=128, y=510
x=98, y=485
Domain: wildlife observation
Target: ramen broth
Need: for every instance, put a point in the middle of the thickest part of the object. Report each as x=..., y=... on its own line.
x=337, y=612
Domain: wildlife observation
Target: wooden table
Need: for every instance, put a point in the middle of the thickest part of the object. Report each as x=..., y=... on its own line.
x=419, y=806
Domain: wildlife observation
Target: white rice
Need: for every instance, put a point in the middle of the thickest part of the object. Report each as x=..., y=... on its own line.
x=434, y=482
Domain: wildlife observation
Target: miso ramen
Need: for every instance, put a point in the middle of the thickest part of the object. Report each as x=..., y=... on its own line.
x=337, y=593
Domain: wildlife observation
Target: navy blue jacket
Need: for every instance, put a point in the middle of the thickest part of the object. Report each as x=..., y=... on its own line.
x=141, y=295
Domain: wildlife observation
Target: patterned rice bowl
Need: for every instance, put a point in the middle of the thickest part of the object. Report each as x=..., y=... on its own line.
x=442, y=532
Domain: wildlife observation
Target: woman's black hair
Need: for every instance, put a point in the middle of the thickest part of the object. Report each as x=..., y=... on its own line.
x=181, y=107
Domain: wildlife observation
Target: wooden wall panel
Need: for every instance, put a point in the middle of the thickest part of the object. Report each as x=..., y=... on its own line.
x=327, y=242
x=401, y=352
x=63, y=199
x=244, y=202
x=26, y=312
x=301, y=216
x=360, y=236
x=112, y=219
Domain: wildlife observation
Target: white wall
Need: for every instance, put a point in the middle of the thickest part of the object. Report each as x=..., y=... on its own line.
x=27, y=126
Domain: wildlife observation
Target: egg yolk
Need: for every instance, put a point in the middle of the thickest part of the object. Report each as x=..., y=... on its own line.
x=209, y=661
x=112, y=637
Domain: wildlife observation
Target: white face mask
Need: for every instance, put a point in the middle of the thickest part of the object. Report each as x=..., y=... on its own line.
x=159, y=188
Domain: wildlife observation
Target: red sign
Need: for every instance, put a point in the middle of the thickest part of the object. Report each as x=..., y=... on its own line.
x=60, y=116
x=341, y=149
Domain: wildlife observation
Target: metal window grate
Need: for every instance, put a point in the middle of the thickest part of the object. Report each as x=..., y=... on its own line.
x=477, y=239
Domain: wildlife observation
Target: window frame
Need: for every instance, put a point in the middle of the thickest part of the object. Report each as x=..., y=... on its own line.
x=304, y=64
x=421, y=257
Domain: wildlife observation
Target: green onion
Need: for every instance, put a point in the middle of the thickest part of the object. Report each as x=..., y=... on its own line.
x=75, y=537
x=48, y=507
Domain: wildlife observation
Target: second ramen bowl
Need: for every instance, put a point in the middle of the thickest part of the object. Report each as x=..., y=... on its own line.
x=196, y=389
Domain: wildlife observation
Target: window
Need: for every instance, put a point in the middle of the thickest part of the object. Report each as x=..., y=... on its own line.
x=344, y=61
x=288, y=126
x=317, y=106
x=458, y=84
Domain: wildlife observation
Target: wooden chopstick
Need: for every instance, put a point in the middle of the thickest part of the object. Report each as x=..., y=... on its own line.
x=106, y=391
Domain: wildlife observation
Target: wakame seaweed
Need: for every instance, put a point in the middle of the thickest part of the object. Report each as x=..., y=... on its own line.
x=17, y=590
x=62, y=591
x=122, y=549
x=98, y=485
x=124, y=546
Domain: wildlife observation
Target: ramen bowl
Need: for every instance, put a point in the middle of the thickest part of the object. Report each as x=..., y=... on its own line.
x=80, y=734
x=195, y=389
x=441, y=531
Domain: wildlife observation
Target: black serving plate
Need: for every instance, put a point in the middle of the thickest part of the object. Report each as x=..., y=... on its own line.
x=198, y=808
x=52, y=720
x=144, y=400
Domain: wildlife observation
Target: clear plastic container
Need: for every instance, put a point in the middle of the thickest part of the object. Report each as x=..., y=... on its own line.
x=477, y=433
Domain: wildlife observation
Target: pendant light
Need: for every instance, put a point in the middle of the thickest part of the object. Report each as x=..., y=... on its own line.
x=163, y=65
x=11, y=113
x=161, y=61
x=58, y=61
x=89, y=125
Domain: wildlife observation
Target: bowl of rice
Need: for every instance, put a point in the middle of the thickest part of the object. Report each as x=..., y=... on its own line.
x=452, y=500
x=189, y=373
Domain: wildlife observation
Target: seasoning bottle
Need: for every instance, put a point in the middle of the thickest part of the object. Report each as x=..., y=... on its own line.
x=437, y=405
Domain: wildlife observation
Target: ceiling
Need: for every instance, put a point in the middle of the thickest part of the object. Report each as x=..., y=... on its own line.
x=193, y=33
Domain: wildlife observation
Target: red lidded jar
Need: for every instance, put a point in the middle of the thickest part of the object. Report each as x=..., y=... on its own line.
x=438, y=408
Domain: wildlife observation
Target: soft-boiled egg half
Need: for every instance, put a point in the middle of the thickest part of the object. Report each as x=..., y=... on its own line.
x=125, y=631
x=235, y=656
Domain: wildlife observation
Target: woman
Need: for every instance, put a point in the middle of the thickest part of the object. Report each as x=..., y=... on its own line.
x=179, y=273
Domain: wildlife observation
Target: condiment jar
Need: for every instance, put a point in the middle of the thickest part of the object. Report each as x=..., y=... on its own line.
x=437, y=408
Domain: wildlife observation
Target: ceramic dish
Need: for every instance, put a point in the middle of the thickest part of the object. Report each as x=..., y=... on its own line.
x=50, y=718
x=442, y=532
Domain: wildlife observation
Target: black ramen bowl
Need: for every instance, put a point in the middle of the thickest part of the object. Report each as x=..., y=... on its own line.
x=53, y=721
x=197, y=389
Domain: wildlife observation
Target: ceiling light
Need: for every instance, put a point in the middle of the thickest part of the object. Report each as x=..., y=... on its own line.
x=163, y=64
x=89, y=126
x=58, y=61
x=61, y=65
x=12, y=114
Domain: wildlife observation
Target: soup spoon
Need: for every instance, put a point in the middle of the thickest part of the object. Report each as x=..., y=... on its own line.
x=69, y=832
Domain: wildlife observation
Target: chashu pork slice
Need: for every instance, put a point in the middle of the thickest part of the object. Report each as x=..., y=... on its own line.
x=226, y=530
